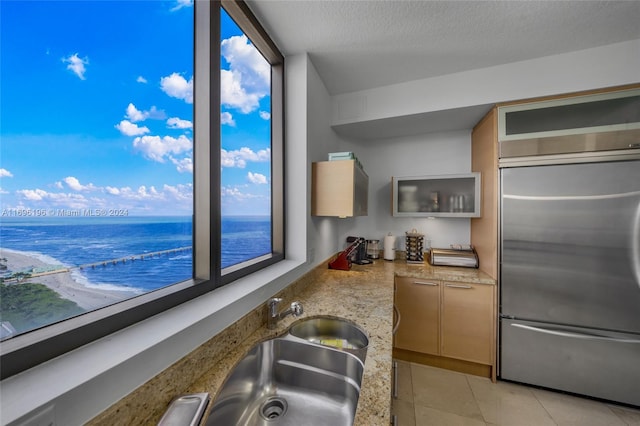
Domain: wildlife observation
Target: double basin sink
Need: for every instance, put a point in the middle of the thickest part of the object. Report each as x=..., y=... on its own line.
x=309, y=375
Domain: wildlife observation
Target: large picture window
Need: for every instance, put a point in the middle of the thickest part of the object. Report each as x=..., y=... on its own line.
x=245, y=136
x=101, y=165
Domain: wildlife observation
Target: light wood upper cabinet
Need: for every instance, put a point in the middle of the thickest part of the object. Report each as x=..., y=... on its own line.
x=339, y=188
x=418, y=302
x=468, y=322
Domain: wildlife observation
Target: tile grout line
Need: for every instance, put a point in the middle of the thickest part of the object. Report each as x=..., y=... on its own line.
x=536, y=397
x=475, y=399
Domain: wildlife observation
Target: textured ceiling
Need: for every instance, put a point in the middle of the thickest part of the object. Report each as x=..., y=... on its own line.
x=361, y=44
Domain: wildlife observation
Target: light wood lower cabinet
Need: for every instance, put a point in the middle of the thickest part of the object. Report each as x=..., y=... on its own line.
x=468, y=322
x=418, y=302
x=447, y=324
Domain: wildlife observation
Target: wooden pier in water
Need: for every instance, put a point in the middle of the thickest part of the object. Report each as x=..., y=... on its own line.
x=130, y=258
x=33, y=273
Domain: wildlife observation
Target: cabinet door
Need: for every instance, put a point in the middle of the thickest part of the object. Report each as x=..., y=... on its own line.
x=338, y=188
x=418, y=301
x=437, y=196
x=468, y=322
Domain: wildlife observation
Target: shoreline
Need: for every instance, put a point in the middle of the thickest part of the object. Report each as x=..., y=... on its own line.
x=88, y=298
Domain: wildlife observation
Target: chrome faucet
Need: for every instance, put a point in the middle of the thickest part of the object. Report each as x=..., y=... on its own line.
x=272, y=313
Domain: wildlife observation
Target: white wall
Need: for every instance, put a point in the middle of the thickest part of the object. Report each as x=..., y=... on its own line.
x=606, y=66
x=428, y=154
x=296, y=125
x=321, y=139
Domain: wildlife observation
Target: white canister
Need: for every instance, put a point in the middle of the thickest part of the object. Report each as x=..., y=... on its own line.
x=389, y=247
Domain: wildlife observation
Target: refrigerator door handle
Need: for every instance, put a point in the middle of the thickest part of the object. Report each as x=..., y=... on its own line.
x=575, y=335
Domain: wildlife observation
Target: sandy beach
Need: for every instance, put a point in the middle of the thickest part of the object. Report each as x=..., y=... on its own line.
x=63, y=283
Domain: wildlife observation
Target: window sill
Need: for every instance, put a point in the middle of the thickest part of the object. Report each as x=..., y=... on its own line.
x=99, y=376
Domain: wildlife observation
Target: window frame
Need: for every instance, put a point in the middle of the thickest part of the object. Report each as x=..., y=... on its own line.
x=25, y=351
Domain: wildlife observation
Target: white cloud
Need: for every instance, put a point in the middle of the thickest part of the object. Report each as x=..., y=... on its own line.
x=146, y=198
x=130, y=129
x=75, y=184
x=77, y=65
x=111, y=190
x=134, y=114
x=184, y=165
x=58, y=199
x=178, y=123
x=157, y=148
x=33, y=194
x=243, y=57
x=182, y=3
x=141, y=79
x=177, y=86
x=227, y=118
x=234, y=196
x=5, y=173
x=239, y=158
x=234, y=192
x=234, y=95
x=180, y=192
x=265, y=115
x=248, y=79
x=257, y=178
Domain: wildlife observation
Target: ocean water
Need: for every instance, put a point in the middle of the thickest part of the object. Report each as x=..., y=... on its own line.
x=79, y=241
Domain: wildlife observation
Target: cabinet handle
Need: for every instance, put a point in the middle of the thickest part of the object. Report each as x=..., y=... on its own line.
x=459, y=286
x=394, y=420
x=425, y=283
x=397, y=324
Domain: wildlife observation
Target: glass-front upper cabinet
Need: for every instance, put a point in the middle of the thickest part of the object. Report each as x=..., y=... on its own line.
x=437, y=196
x=597, y=122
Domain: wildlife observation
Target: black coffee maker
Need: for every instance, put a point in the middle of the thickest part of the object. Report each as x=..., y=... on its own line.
x=359, y=255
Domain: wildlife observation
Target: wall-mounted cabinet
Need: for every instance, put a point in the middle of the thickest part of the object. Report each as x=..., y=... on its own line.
x=339, y=188
x=437, y=196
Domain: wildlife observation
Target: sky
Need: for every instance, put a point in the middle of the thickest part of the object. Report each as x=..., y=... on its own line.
x=96, y=110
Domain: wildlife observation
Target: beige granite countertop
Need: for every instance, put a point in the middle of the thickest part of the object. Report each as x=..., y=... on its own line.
x=363, y=295
x=444, y=273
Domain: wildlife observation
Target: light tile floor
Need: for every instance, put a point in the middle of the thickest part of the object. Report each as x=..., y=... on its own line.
x=433, y=396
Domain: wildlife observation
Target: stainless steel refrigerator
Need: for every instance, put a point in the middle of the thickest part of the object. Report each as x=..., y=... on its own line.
x=570, y=278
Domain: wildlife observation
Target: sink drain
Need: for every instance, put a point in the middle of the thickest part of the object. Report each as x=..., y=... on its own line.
x=273, y=408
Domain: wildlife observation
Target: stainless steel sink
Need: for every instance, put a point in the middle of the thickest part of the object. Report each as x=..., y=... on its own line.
x=285, y=381
x=334, y=332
